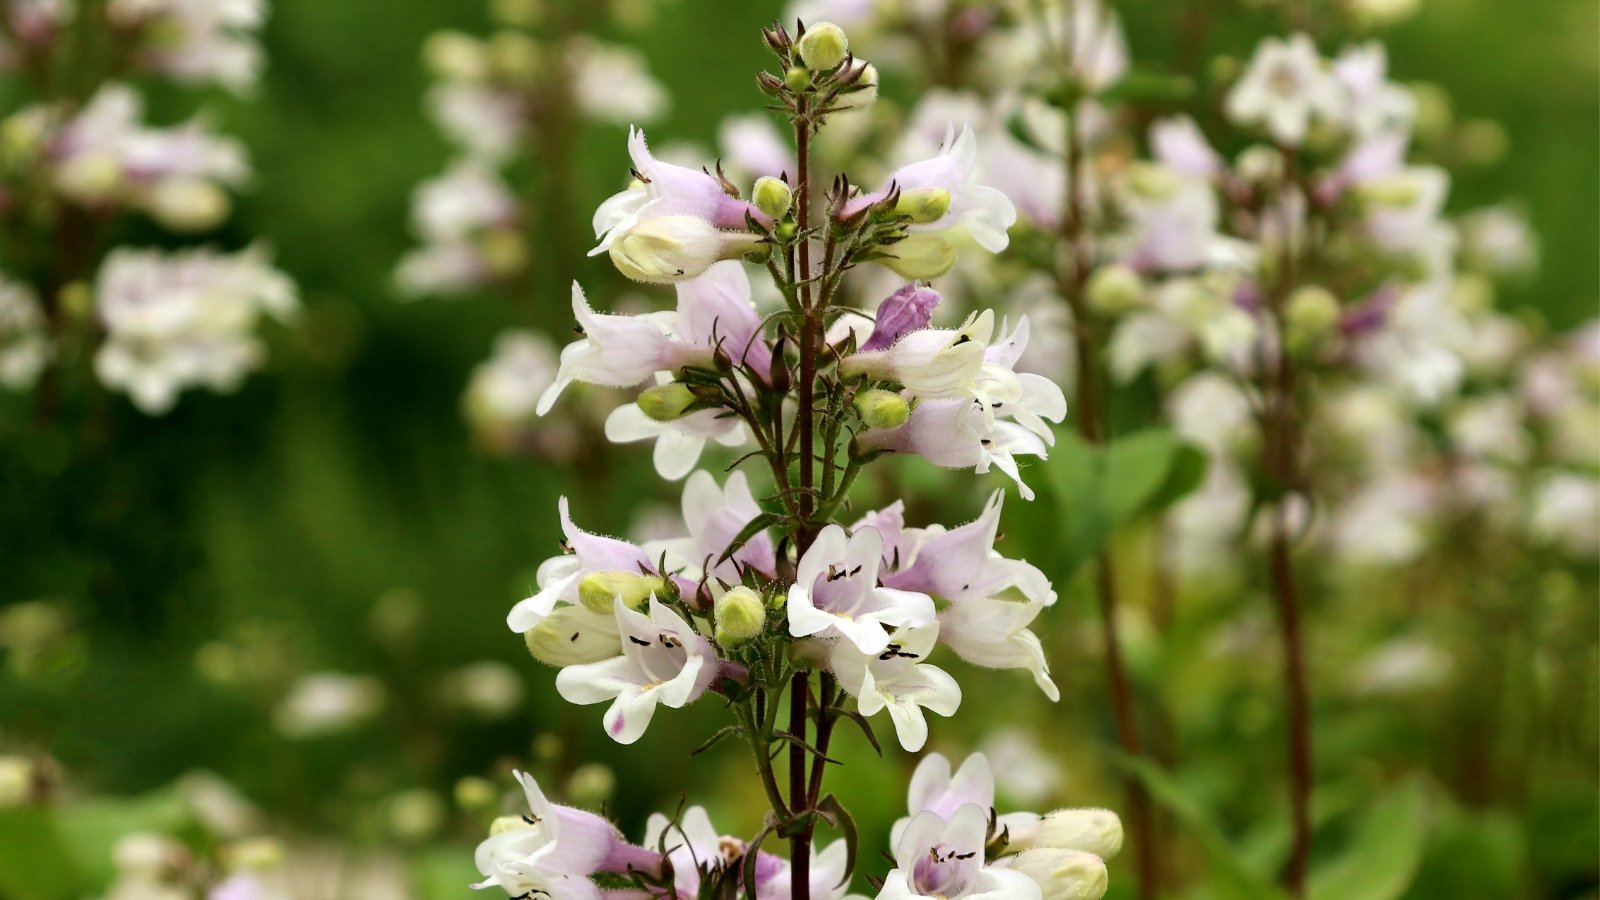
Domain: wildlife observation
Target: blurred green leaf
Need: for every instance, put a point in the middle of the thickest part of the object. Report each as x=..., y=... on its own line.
x=1231, y=878
x=34, y=862
x=92, y=828
x=1384, y=854
x=1099, y=489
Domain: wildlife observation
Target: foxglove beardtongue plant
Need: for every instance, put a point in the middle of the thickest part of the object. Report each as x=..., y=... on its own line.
x=77, y=156
x=776, y=601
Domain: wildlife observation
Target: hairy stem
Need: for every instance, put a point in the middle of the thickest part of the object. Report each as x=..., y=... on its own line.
x=805, y=425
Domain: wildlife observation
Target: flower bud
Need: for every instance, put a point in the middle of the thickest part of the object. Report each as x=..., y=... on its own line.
x=924, y=205
x=1096, y=831
x=187, y=204
x=504, y=250
x=515, y=57
x=77, y=301
x=456, y=56
x=523, y=13
x=1397, y=191
x=740, y=616
x=16, y=781
x=599, y=591
x=1310, y=314
x=90, y=177
x=669, y=249
x=572, y=635
x=1153, y=180
x=823, y=46
x=921, y=257
x=1115, y=289
x=666, y=402
x=1062, y=874
x=865, y=94
x=772, y=196
x=882, y=409
x=906, y=310
x=798, y=78
x=473, y=792
x=1259, y=164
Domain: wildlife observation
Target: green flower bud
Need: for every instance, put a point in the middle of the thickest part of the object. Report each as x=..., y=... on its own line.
x=1310, y=315
x=797, y=78
x=1115, y=289
x=740, y=616
x=1397, y=191
x=591, y=784
x=505, y=250
x=473, y=792
x=772, y=196
x=924, y=205
x=1153, y=180
x=525, y=13
x=599, y=591
x=921, y=257
x=1472, y=294
x=515, y=57
x=823, y=46
x=882, y=409
x=666, y=402
x=77, y=301
x=455, y=56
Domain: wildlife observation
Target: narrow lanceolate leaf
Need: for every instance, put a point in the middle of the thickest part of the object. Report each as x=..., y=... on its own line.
x=834, y=813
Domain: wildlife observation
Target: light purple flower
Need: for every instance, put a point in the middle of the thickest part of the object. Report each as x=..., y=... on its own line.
x=908, y=309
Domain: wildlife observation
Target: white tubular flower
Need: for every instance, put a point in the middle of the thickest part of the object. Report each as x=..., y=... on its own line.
x=1285, y=88
x=1097, y=831
x=680, y=442
x=483, y=121
x=1172, y=223
x=616, y=351
x=572, y=635
x=896, y=679
x=663, y=661
x=694, y=847
x=559, y=577
x=944, y=860
x=1001, y=391
x=196, y=41
x=983, y=212
x=827, y=872
x=504, y=389
x=183, y=320
x=836, y=593
x=1377, y=106
x=551, y=852
x=24, y=346
x=612, y=83
x=932, y=363
x=1179, y=144
x=1062, y=874
x=950, y=433
x=664, y=189
x=666, y=248
x=467, y=198
x=715, y=516
x=989, y=600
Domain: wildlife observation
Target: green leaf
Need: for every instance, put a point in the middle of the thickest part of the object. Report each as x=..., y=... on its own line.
x=1384, y=854
x=1230, y=877
x=34, y=862
x=1099, y=489
x=834, y=813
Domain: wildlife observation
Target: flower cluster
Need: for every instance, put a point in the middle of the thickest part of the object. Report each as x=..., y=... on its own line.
x=497, y=100
x=952, y=844
x=153, y=323
x=774, y=593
